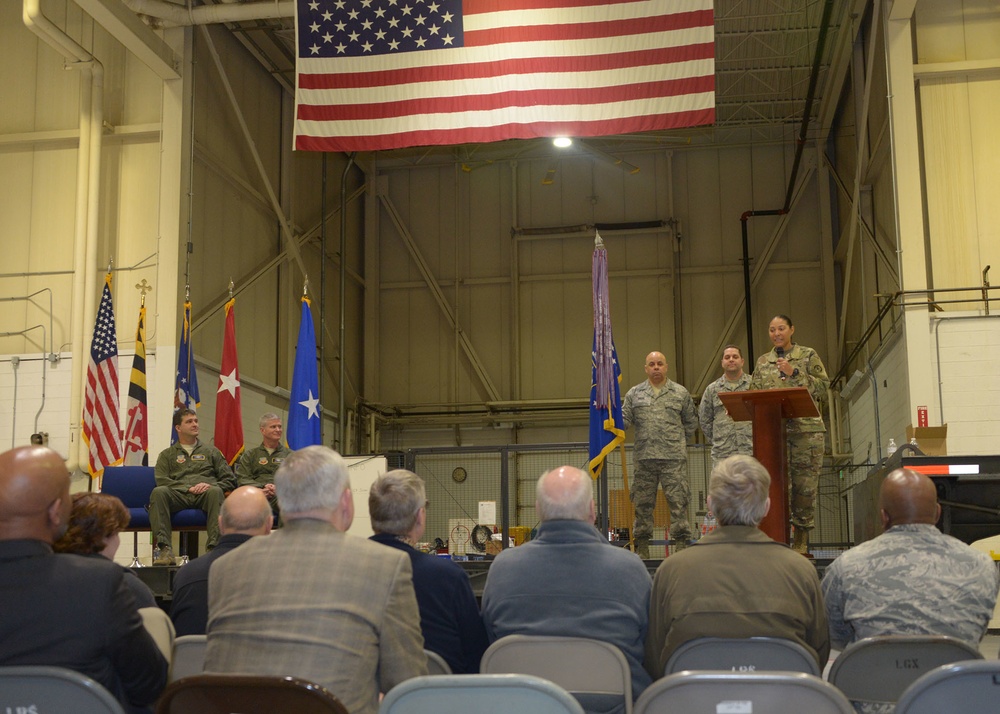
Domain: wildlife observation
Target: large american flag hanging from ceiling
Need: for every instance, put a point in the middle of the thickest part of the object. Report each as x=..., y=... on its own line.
x=386, y=74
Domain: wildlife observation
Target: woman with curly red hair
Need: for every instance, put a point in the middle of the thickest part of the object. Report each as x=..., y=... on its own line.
x=94, y=526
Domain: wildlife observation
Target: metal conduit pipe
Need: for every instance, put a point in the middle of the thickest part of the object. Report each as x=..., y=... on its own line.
x=824, y=28
x=13, y=423
x=341, y=420
x=87, y=202
x=168, y=13
x=50, y=356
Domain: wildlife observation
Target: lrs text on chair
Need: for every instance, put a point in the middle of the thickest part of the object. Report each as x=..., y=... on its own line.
x=750, y=654
x=247, y=694
x=970, y=687
x=769, y=692
x=879, y=669
x=596, y=673
x=476, y=693
x=55, y=690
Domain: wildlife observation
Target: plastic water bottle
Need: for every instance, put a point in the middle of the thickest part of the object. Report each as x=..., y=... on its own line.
x=710, y=523
x=913, y=443
x=891, y=448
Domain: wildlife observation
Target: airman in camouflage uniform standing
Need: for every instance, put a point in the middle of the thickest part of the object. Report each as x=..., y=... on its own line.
x=799, y=366
x=911, y=580
x=726, y=436
x=665, y=420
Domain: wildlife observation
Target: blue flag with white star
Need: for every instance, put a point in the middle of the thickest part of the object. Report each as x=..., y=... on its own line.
x=186, y=395
x=303, y=407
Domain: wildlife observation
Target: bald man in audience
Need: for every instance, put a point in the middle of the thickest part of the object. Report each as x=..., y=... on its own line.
x=245, y=513
x=65, y=610
x=569, y=581
x=913, y=579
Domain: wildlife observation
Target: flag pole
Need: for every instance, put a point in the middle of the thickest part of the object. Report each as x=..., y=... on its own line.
x=631, y=506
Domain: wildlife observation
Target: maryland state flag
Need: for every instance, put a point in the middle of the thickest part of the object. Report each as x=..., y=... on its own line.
x=136, y=429
x=607, y=427
x=228, y=413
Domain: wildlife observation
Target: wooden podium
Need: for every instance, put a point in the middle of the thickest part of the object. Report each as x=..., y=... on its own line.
x=768, y=409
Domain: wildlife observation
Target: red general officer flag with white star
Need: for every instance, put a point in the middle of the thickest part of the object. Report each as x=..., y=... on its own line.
x=228, y=413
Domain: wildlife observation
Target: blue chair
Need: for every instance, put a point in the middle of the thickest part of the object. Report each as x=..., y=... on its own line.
x=53, y=689
x=133, y=484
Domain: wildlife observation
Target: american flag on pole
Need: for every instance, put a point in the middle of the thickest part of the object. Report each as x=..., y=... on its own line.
x=228, y=412
x=385, y=74
x=101, y=430
x=136, y=426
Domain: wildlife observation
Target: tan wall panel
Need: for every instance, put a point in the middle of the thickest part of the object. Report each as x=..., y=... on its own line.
x=984, y=105
x=951, y=183
x=941, y=29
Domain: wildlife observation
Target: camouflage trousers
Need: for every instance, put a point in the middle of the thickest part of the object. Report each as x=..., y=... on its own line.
x=805, y=459
x=672, y=476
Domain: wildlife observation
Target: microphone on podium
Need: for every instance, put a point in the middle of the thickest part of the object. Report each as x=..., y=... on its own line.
x=780, y=351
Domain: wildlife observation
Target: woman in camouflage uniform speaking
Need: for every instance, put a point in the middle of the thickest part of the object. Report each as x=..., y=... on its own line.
x=792, y=365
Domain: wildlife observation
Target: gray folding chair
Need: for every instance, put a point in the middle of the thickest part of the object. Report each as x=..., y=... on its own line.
x=749, y=654
x=480, y=693
x=879, y=669
x=188, y=657
x=970, y=687
x=596, y=673
x=53, y=690
x=436, y=663
x=723, y=691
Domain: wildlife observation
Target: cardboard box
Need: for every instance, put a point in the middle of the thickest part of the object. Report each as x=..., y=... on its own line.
x=932, y=440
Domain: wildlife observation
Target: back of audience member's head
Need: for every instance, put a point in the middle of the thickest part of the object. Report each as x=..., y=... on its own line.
x=907, y=497
x=738, y=488
x=34, y=494
x=311, y=479
x=246, y=510
x=565, y=494
x=94, y=519
x=395, y=500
